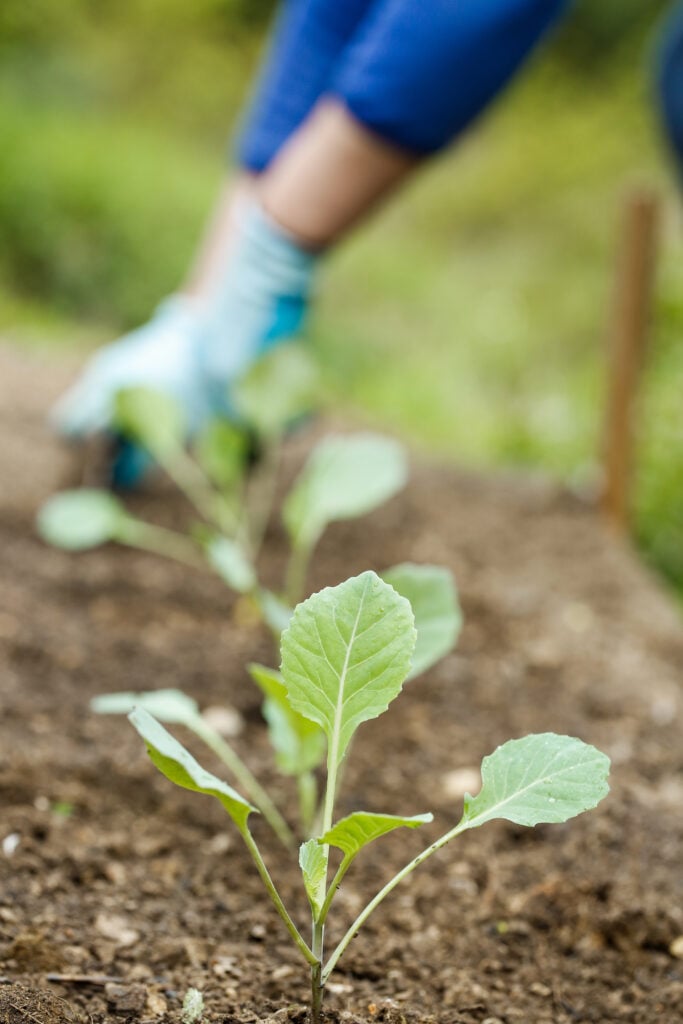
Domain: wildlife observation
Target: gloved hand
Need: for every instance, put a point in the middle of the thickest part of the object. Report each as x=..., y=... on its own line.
x=193, y=351
x=161, y=354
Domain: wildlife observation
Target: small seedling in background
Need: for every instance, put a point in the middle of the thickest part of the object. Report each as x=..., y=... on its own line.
x=344, y=477
x=345, y=657
x=193, y=1006
x=299, y=743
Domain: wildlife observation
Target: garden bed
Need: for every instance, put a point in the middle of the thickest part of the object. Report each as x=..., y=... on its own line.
x=143, y=890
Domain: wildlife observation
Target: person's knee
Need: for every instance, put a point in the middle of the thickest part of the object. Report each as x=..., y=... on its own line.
x=420, y=74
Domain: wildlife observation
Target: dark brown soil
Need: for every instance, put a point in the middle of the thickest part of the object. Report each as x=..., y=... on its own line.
x=131, y=890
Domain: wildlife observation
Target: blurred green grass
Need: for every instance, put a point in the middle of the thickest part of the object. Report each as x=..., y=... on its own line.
x=473, y=316
x=469, y=316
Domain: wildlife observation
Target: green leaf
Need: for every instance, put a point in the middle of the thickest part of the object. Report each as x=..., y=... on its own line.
x=276, y=614
x=81, y=519
x=151, y=418
x=178, y=765
x=299, y=744
x=540, y=778
x=221, y=450
x=272, y=686
x=313, y=864
x=279, y=388
x=232, y=565
x=346, y=654
x=166, y=705
x=354, y=832
x=344, y=477
x=434, y=600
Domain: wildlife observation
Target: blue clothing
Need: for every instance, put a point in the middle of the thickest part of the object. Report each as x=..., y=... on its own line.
x=670, y=81
x=416, y=72
x=195, y=351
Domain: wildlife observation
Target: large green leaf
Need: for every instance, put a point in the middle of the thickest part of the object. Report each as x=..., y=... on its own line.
x=299, y=743
x=354, y=832
x=434, y=600
x=81, y=519
x=151, y=418
x=178, y=765
x=279, y=388
x=346, y=655
x=313, y=864
x=166, y=705
x=344, y=477
x=540, y=778
x=227, y=557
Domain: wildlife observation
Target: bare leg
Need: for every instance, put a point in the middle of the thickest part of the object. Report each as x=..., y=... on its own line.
x=327, y=177
x=330, y=174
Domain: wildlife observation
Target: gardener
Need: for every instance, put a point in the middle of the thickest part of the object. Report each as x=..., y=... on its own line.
x=354, y=96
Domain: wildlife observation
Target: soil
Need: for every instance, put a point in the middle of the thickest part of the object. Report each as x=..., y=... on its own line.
x=120, y=891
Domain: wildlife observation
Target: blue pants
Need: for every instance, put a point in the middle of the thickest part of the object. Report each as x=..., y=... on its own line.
x=416, y=72
x=670, y=81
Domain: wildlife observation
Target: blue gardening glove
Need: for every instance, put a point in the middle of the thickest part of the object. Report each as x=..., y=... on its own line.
x=161, y=354
x=261, y=301
x=193, y=352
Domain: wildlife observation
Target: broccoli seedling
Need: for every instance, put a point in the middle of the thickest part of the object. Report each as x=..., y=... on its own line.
x=345, y=657
x=343, y=478
x=299, y=743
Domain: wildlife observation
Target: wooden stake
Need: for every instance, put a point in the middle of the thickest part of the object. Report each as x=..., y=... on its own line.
x=628, y=337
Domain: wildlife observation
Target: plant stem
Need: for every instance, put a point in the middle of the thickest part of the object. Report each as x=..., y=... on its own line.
x=160, y=541
x=274, y=613
x=403, y=873
x=189, y=478
x=334, y=885
x=317, y=989
x=330, y=791
x=295, y=576
x=308, y=798
x=251, y=785
x=303, y=946
x=317, y=981
x=317, y=992
x=264, y=488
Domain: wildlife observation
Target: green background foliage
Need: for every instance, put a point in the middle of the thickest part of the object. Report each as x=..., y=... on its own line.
x=470, y=315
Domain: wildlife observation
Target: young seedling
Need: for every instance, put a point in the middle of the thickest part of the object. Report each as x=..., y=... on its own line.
x=299, y=743
x=345, y=657
x=193, y=1006
x=344, y=477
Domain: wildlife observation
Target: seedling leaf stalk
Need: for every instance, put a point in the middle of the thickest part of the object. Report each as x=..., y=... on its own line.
x=345, y=657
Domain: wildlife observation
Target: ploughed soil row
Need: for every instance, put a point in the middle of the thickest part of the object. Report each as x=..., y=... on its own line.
x=114, y=876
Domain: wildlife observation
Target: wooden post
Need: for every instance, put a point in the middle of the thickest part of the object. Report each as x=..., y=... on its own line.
x=627, y=339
